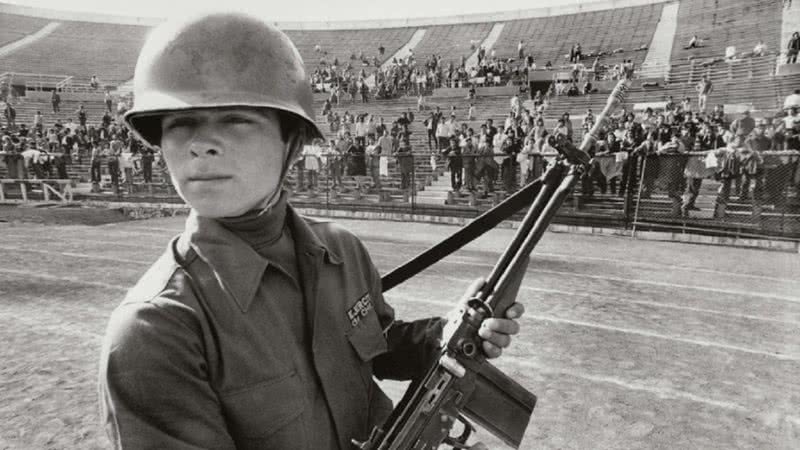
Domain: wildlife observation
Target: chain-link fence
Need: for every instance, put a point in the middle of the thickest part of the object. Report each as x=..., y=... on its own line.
x=737, y=192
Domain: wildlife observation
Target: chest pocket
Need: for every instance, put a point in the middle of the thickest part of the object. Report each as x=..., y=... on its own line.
x=267, y=415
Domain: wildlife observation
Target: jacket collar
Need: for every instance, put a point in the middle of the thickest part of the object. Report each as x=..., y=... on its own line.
x=237, y=267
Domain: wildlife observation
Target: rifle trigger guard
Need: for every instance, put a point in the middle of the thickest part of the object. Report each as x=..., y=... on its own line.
x=460, y=442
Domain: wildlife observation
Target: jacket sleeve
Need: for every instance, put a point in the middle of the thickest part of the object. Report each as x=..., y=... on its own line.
x=153, y=387
x=412, y=346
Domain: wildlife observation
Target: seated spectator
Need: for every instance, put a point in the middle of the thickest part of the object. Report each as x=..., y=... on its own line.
x=588, y=88
x=760, y=49
x=792, y=100
x=94, y=83
x=573, y=90
x=694, y=42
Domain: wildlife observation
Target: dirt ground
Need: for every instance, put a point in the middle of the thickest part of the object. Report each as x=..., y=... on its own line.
x=627, y=344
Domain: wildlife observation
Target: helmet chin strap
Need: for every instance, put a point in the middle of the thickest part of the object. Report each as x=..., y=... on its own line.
x=292, y=149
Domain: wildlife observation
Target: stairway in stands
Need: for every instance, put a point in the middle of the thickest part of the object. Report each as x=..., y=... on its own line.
x=487, y=43
x=436, y=192
x=29, y=39
x=656, y=63
x=405, y=50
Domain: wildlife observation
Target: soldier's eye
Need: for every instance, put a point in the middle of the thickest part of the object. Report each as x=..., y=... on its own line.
x=180, y=122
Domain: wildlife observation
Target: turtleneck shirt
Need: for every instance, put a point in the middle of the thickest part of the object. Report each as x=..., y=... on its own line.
x=268, y=233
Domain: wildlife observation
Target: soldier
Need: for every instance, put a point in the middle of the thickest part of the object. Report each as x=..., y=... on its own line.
x=257, y=328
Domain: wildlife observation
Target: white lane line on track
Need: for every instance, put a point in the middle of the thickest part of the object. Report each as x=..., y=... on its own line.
x=45, y=276
x=624, y=280
x=634, y=331
x=551, y=291
x=74, y=255
x=157, y=232
x=594, y=297
x=664, y=305
x=626, y=262
x=625, y=384
x=91, y=240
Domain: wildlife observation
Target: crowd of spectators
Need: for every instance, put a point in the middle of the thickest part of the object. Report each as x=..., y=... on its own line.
x=518, y=149
x=46, y=148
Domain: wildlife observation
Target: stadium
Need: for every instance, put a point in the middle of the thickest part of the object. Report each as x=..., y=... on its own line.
x=661, y=305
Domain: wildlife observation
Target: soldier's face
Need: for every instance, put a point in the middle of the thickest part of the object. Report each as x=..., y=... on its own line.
x=224, y=162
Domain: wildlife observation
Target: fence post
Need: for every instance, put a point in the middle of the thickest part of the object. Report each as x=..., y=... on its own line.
x=413, y=181
x=639, y=195
x=329, y=161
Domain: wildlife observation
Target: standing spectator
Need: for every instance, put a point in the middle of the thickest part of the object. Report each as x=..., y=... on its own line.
x=38, y=122
x=81, y=115
x=405, y=160
x=109, y=101
x=521, y=50
x=122, y=107
x=442, y=135
x=454, y=163
x=126, y=167
x=14, y=162
x=334, y=161
x=148, y=155
x=311, y=154
x=792, y=48
x=114, y=153
x=486, y=167
x=727, y=171
x=704, y=87
x=106, y=120
x=11, y=116
x=355, y=157
x=361, y=130
x=743, y=125
x=510, y=147
x=55, y=100
x=751, y=162
x=575, y=53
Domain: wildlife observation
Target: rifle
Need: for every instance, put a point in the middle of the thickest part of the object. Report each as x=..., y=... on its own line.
x=462, y=385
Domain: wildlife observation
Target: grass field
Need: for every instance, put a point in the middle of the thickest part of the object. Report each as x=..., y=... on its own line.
x=628, y=344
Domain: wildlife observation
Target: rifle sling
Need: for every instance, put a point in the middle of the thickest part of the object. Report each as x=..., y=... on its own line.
x=483, y=223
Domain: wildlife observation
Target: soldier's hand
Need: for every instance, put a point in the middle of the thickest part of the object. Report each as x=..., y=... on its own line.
x=495, y=332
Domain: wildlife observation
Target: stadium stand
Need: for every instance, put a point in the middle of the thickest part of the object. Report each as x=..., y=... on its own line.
x=108, y=50
x=550, y=38
x=16, y=27
x=82, y=49
x=719, y=25
x=452, y=42
x=343, y=44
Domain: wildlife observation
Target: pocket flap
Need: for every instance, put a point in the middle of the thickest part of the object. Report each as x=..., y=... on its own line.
x=264, y=408
x=367, y=337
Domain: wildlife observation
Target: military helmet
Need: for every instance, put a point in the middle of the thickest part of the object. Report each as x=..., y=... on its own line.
x=218, y=59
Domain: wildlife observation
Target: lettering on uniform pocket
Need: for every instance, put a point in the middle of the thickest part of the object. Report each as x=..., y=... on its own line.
x=359, y=310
